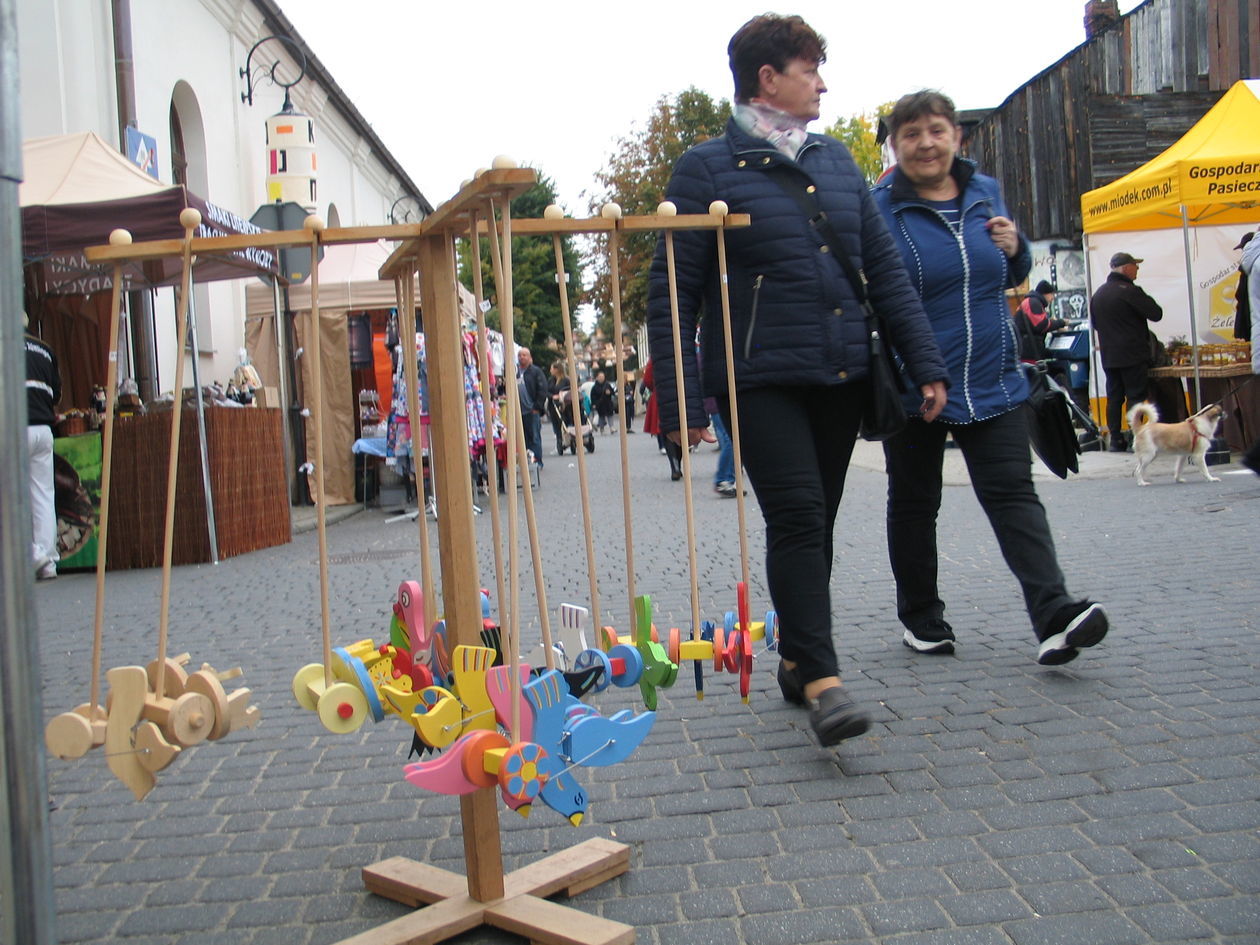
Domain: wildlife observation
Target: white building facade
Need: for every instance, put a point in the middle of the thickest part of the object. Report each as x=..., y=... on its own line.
x=187, y=58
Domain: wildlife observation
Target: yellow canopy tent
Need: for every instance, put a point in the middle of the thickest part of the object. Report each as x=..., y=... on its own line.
x=1208, y=183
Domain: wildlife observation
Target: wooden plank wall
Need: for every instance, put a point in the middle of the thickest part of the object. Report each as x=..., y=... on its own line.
x=1112, y=104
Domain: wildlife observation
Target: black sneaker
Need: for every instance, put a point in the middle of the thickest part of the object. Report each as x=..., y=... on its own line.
x=935, y=636
x=790, y=685
x=834, y=717
x=1073, y=628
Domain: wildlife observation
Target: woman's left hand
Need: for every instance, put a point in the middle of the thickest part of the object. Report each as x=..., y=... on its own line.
x=1004, y=235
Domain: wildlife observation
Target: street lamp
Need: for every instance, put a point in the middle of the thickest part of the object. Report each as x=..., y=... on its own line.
x=291, y=166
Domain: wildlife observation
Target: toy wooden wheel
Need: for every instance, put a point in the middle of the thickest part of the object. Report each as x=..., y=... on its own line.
x=772, y=630
x=633, y=670
x=592, y=658
x=302, y=680
x=719, y=647
x=207, y=684
x=190, y=720
x=342, y=708
x=472, y=760
x=675, y=643
x=173, y=680
x=607, y=638
x=519, y=775
x=68, y=735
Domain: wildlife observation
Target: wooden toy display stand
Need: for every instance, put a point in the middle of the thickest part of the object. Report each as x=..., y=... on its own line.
x=484, y=896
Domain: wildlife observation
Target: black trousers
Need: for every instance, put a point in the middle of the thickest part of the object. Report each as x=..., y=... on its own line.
x=1126, y=387
x=795, y=444
x=1000, y=465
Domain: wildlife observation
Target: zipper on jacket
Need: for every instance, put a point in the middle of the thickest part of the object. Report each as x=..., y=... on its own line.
x=752, y=317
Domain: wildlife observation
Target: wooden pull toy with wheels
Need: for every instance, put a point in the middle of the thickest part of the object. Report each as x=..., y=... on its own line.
x=151, y=713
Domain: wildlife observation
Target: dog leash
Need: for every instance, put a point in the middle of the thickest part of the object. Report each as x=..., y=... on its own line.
x=1232, y=393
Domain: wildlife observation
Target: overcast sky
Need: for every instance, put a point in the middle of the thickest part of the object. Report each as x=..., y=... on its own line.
x=555, y=84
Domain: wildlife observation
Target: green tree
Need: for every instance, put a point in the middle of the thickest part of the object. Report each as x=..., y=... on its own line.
x=636, y=177
x=857, y=133
x=535, y=291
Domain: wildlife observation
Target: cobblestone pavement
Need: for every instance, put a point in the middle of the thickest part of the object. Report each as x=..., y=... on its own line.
x=1112, y=800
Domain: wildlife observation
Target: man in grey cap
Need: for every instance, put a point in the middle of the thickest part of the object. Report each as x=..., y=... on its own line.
x=1120, y=311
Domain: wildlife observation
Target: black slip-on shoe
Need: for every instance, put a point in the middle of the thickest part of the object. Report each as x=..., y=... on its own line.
x=1075, y=627
x=834, y=717
x=935, y=636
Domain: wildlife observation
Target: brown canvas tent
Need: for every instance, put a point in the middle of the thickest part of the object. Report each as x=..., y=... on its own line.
x=348, y=283
x=77, y=189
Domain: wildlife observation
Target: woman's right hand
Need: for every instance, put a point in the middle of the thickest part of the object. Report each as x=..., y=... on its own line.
x=694, y=435
x=934, y=398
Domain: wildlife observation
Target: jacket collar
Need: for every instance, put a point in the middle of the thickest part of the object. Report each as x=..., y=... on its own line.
x=903, y=190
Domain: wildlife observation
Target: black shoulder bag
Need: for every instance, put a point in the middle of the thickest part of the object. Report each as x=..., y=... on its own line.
x=884, y=415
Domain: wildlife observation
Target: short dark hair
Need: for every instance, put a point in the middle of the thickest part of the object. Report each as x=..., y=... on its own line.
x=915, y=105
x=1046, y=288
x=773, y=40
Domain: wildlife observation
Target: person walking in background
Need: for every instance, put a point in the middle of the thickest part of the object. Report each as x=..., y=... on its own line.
x=603, y=399
x=43, y=390
x=532, y=387
x=724, y=475
x=963, y=251
x=652, y=424
x=631, y=402
x=556, y=384
x=801, y=345
x=1120, y=311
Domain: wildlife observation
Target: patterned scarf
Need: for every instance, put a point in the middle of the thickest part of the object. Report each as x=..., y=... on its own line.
x=786, y=132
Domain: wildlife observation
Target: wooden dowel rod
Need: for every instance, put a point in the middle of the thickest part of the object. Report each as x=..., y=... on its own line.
x=172, y=464
x=614, y=274
x=724, y=287
x=579, y=450
x=107, y=456
x=681, y=392
x=315, y=405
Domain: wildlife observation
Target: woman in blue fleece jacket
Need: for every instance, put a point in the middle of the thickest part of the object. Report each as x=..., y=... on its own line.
x=963, y=252
x=799, y=336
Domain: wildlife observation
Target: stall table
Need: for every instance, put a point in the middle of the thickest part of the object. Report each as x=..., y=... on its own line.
x=1228, y=384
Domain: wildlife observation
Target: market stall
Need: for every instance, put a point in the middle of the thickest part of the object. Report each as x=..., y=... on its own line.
x=77, y=190
x=1183, y=212
x=349, y=287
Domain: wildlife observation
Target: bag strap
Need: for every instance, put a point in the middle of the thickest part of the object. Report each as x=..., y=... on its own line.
x=792, y=185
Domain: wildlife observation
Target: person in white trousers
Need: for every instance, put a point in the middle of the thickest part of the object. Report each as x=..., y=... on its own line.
x=43, y=390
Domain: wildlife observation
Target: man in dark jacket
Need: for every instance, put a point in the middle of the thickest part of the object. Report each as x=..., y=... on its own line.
x=532, y=387
x=43, y=390
x=1120, y=312
x=799, y=334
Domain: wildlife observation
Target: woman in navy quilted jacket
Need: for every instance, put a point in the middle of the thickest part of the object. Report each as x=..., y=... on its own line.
x=799, y=334
x=963, y=252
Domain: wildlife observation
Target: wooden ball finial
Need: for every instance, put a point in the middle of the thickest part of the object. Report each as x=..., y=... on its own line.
x=719, y=208
x=553, y=212
x=666, y=208
x=120, y=237
x=611, y=211
x=502, y=162
x=190, y=218
x=314, y=223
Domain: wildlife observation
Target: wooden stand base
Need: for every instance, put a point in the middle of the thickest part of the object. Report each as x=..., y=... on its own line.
x=523, y=910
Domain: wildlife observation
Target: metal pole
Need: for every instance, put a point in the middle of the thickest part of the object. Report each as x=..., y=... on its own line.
x=201, y=422
x=1094, y=382
x=282, y=388
x=1194, y=328
x=26, y=879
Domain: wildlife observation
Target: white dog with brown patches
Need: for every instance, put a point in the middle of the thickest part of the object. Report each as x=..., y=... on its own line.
x=1189, y=438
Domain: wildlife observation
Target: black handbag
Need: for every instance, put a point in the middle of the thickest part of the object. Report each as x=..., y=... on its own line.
x=884, y=415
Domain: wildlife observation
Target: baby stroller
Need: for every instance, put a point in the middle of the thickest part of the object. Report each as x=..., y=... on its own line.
x=570, y=434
